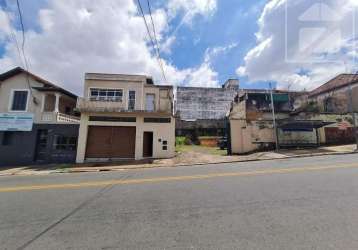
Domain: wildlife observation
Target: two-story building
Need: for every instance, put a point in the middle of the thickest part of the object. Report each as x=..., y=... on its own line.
x=125, y=117
x=251, y=121
x=38, y=124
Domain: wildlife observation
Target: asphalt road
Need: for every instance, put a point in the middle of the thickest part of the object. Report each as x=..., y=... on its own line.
x=304, y=203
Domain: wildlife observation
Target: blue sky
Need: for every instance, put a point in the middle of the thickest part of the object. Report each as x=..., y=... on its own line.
x=203, y=42
x=234, y=22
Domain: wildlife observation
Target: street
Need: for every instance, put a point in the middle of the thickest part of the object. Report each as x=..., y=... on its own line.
x=302, y=203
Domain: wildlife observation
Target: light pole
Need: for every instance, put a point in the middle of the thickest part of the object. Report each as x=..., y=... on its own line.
x=274, y=119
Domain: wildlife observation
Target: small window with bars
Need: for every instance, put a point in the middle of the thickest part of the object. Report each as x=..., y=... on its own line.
x=107, y=95
x=19, y=100
x=67, y=143
x=131, y=100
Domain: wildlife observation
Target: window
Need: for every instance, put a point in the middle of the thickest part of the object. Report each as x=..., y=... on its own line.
x=19, y=100
x=150, y=102
x=107, y=95
x=42, y=138
x=64, y=143
x=131, y=100
x=8, y=138
x=329, y=105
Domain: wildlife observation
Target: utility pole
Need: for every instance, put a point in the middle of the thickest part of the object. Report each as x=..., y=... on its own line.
x=274, y=119
x=350, y=109
x=350, y=106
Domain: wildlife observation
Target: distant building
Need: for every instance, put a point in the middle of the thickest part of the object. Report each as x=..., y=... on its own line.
x=38, y=124
x=203, y=110
x=321, y=116
x=333, y=96
x=331, y=102
x=125, y=117
x=251, y=121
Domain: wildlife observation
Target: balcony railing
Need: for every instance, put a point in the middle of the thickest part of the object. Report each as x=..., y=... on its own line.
x=67, y=118
x=86, y=105
x=53, y=117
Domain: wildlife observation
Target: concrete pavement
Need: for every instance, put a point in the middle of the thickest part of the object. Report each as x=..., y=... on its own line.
x=182, y=159
x=304, y=203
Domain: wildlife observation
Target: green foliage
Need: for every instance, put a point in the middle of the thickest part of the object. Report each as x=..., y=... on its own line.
x=349, y=119
x=312, y=107
x=180, y=140
x=183, y=140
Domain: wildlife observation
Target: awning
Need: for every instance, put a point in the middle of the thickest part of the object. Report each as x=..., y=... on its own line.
x=302, y=125
x=267, y=96
x=280, y=98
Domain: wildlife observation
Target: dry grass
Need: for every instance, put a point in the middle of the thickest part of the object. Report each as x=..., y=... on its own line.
x=200, y=149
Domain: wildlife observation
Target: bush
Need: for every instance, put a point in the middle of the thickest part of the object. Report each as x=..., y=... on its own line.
x=180, y=140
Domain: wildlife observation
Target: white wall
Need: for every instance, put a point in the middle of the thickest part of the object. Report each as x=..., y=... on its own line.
x=19, y=82
x=163, y=131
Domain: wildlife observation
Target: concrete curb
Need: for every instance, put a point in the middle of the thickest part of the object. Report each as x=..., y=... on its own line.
x=105, y=169
x=109, y=169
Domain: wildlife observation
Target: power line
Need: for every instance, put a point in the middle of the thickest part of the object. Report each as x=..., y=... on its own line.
x=151, y=40
x=23, y=49
x=23, y=34
x=155, y=39
x=14, y=38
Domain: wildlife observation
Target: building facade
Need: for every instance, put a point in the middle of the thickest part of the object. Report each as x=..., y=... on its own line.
x=38, y=124
x=203, y=110
x=251, y=121
x=333, y=97
x=125, y=117
x=321, y=116
x=334, y=101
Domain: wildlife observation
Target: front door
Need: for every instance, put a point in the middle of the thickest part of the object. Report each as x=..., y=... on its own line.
x=148, y=144
x=41, y=145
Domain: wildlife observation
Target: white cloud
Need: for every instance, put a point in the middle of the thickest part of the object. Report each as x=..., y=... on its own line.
x=213, y=52
x=205, y=75
x=191, y=8
x=306, y=63
x=166, y=46
x=99, y=36
x=5, y=27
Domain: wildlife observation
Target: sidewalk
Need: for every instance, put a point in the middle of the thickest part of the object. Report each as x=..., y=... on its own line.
x=182, y=159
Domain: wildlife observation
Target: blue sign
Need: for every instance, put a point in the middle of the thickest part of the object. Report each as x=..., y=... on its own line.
x=16, y=122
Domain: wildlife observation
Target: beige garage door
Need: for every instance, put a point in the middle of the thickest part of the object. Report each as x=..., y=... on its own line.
x=110, y=142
